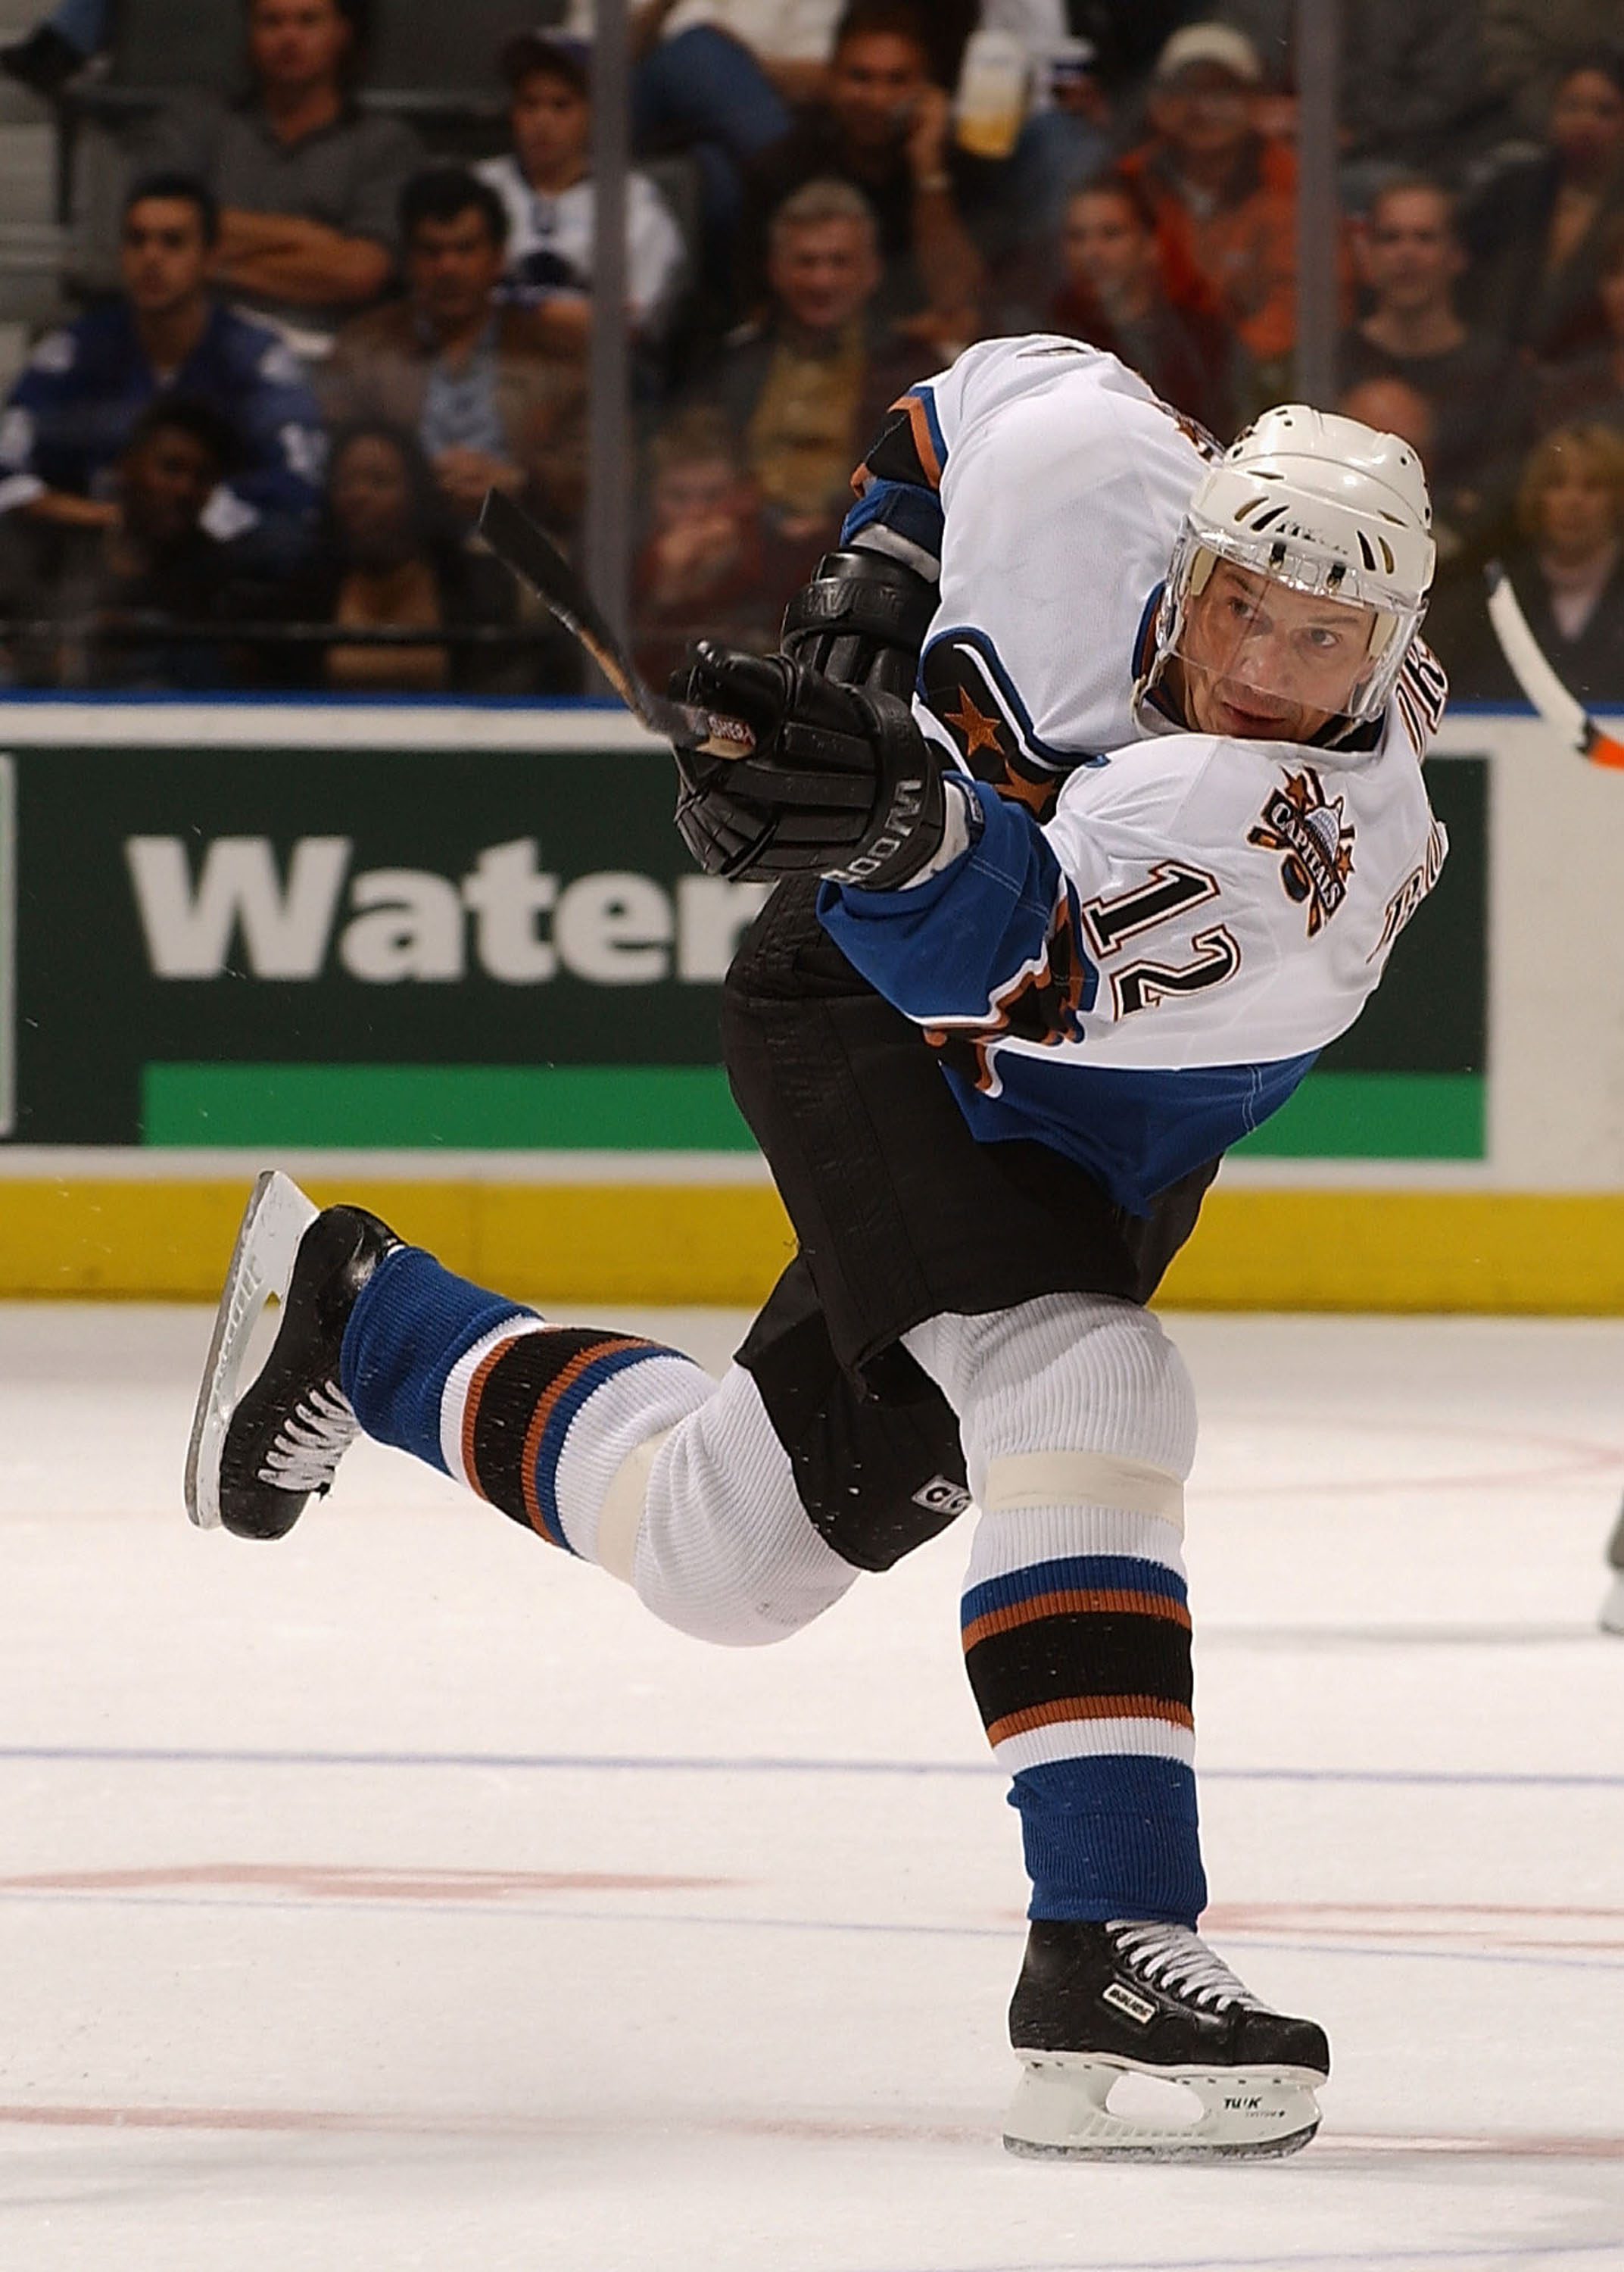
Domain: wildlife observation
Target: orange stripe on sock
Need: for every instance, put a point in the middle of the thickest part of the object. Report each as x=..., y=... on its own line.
x=1089, y=1708
x=546, y=1404
x=471, y=1409
x=1105, y=1601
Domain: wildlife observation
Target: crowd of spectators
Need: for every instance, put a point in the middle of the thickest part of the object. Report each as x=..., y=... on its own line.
x=258, y=461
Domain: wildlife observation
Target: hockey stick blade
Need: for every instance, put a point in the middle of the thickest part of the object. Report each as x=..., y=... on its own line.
x=532, y=556
x=1531, y=670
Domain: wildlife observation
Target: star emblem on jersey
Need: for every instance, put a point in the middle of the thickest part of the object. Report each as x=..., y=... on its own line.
x=1309, y=829
x=979, y=731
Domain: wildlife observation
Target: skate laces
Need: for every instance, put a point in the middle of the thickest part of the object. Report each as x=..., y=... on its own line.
x=306, y=1449
x=1173, y=1957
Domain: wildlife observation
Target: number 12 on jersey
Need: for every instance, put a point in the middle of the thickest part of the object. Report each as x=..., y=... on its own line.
x=1170, y=889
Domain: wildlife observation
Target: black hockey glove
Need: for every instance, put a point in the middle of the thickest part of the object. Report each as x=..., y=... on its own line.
x=841, y=783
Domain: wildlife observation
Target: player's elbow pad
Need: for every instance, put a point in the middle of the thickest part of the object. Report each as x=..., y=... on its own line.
x=861, y=620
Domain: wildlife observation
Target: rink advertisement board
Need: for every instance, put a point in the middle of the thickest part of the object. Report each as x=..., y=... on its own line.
x=342, y=947
x=462, y=947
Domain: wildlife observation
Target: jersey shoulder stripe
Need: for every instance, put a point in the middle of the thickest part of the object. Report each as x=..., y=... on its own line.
x=910, y=446
x=966, y=686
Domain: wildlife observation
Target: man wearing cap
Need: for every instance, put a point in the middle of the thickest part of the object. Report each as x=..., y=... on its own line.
x=1224, y=194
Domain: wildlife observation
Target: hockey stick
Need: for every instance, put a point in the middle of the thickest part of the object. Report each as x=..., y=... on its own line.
x=537, y=561
x=1539, y=683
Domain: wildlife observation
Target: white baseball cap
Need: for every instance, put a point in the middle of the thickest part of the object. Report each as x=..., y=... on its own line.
x=1220, y=44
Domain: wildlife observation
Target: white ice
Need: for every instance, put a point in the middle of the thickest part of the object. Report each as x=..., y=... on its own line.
x=401, y=1895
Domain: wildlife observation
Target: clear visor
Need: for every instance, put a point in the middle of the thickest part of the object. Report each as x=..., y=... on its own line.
x=1279, y=654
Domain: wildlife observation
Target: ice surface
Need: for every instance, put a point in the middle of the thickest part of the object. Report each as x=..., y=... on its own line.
x=401, y=1896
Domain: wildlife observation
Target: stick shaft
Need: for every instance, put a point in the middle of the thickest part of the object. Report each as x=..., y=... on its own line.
x=1531, y=669
x=531, y=555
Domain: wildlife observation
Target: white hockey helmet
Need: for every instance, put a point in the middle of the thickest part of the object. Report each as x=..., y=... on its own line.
x=1323, y=506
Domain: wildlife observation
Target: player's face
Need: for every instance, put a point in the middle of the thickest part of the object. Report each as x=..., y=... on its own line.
x=1264, y=663
x=297, y=43
x=875, y=83
x=1411, y=255
x=823, y=271
x=162, y=257
x=1105, y=246
x=452, y=267
x=551, y=123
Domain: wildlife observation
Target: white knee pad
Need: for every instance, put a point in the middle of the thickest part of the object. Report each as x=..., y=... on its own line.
x=1078, y=1420
x=721, y=1546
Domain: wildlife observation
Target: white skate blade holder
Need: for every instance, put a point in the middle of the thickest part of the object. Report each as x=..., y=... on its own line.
x=1612, y=1608
x=1167, y=2114
x=275, y=1220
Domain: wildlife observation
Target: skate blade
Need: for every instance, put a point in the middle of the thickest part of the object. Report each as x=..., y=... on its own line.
x=1059, y=2111
x=276, y=1218
x=1612, y=1608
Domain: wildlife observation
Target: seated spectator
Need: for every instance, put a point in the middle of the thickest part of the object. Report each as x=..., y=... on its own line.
x=1410, y=259
x=790, y=40
x=494, y=399
x=1590, y=390
x=390, y=560
x=1568, y=572
x=1115, y=296
x=58, y=48
x=307, y=185
x=1527, y=47
x=80, y=585
x=1127, y=36
x=1065, y=141
x=1535, y=229
x=69, y=415
x=883, y=126
x=1224, y=194
x=805, y=390
x=545, y=186
x=1410, y=92
x=1462, y=527
x=709, y=568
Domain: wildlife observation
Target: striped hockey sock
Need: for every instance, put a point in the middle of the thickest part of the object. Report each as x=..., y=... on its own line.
x=1078, y=1419
x=538, y=1419
x=1080, y=1662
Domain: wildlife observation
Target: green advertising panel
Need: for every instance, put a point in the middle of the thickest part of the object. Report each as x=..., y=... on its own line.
x=359, y=947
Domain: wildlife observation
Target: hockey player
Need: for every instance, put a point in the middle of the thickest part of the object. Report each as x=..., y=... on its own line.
x=1047, y=942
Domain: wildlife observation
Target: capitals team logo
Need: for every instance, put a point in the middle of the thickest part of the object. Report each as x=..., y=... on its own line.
x=1308, y=828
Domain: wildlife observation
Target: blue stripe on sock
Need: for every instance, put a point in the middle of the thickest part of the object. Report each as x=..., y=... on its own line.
x=1129, y=1573
x=1114, y=1837
x=411, y=1321
x=550, y=1449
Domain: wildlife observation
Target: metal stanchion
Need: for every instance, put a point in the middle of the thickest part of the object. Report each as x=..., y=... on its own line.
x=1319, y=62
x=608, y=538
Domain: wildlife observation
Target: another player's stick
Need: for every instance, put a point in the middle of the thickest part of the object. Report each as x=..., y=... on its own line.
x=532, y=556
x=1539, y=683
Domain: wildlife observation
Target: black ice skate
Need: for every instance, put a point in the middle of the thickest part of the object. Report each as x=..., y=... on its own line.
x=1096, y=2003
x=253, y=1462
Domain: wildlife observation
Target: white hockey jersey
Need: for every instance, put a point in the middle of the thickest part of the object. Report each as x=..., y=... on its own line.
x=1144, y=977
